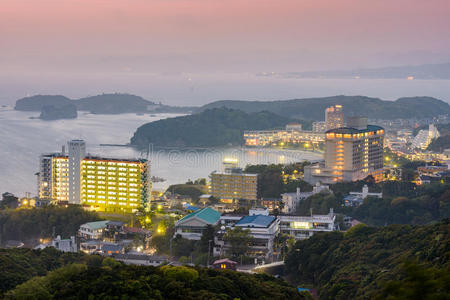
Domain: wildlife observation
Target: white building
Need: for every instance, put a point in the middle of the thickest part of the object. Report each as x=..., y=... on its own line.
x=319, y=126
x=303, y=227
x=292, y=200
x=263, y=230
x=365, y=193
x=92, y=230
x=65, y=245
x=424, y=137
x=77, y=151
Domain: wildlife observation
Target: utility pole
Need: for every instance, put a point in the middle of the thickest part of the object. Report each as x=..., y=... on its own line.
x=209, y=251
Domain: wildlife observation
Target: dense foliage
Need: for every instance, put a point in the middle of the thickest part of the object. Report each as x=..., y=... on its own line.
x=275, y=179
x=210, y=128
x=402, y=203
x=366, y=261
x=313, y=108
x=26, y=224
x=20, y=265
x=95, y=277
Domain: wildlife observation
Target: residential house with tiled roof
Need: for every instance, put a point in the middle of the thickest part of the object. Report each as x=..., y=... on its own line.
x=192, y=225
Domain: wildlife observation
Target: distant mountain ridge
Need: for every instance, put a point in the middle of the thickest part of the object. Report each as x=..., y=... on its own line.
x=314, y=108
x=101, y=104
x=426, y=71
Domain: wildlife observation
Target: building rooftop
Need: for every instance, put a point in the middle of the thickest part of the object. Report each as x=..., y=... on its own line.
x=354, y=130
x=132, y=160
x=260, y=221
x=97, y=225
x=207, y=214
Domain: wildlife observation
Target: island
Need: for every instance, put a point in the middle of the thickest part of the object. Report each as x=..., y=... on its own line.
x=210, y=128
x=61, y=107
x=56, y=112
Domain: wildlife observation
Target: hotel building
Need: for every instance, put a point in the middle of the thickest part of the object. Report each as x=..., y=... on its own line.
x=334, y=117
x=233, y=184
x=99, y=183
x=291, y=135
x=350, y=154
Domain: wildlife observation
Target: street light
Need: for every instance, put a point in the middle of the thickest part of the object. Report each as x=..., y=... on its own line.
x=209, y=250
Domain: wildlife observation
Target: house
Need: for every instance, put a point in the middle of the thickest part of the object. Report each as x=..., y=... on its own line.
x=140, y=259
x=290, y=201
x=65, y=245
x=225, y=264
x=92, y=230
x=192, y=225
x=263, y=230
x=303, y=227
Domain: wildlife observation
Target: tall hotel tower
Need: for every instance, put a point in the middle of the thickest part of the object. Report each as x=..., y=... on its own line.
x=77, y=151
x=97, y=183
x=334, y=117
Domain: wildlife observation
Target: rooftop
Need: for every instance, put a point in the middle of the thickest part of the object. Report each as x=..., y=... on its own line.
x=260, y=221
x=97, y=225
x=206, y=214
x=354, y=130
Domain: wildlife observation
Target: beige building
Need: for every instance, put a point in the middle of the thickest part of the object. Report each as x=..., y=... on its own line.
x=234, y=185
x=350, y=154
x=334, y=117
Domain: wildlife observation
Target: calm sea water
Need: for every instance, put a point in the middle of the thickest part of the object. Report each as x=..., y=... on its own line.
x=24, y=139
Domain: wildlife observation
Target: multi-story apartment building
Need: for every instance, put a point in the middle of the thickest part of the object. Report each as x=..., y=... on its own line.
x=319, y=126
x=334, y=117
x=350, y=154
x=233, y=184
x=99, y=183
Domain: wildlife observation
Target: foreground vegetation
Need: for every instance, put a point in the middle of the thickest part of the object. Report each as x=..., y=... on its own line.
x=393, y=262
x=77, y=276
x=35, y=223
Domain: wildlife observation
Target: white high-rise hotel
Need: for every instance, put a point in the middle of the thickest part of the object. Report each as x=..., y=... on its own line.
x=103, y=184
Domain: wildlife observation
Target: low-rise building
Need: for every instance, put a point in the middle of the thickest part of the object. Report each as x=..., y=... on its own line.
x=140, y=259
x=191, y=226
x=92, y=230
x=65, y=245
x=303, y=227
x=263, y=230
x=225, y=264
x=357, y=198
x=290, y=201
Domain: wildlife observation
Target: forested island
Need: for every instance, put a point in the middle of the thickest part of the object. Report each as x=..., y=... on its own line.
x=210, y=128
x=54, y=107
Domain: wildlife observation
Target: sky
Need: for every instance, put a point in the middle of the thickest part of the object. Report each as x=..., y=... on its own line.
x=47, y=39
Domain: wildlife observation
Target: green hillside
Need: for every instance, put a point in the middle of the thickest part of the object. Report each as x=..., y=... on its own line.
x=313, y=108
x=210, y=128
x=367, y=262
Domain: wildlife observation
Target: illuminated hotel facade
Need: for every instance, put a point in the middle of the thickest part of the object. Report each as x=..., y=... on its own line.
x=102, y=184
x=350, y=154
x=334, y=117
x=262, y=138
x=234, y=185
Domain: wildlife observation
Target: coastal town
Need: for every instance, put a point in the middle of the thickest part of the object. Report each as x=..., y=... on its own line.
x=228, y=219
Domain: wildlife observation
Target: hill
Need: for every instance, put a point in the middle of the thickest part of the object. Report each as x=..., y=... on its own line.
x=210, y=128
x=36, y=103
x=60, y=275
x=314, y=108
x=101, y=104
x=368, y=262
x=51, y=112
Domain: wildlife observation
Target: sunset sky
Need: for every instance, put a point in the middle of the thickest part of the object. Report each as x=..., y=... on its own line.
x=157, y=36
x=215, y=34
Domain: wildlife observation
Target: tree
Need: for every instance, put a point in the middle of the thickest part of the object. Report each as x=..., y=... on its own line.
x=239, y=240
